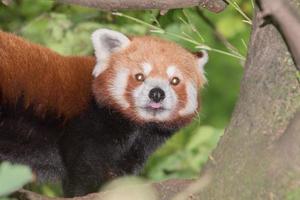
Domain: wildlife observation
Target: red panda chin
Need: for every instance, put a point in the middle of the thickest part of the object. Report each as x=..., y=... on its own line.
x=174, y=122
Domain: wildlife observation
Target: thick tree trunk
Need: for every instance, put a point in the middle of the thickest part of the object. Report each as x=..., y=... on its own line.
x=258, y=156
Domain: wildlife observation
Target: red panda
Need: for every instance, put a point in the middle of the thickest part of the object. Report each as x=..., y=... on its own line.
x=85, y=120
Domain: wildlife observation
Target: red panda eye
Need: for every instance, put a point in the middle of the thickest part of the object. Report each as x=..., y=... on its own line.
x=175, y=81
x=139, y=77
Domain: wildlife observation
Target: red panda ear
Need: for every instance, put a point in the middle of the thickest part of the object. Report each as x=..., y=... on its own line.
x=105, y=43
x=202, y=57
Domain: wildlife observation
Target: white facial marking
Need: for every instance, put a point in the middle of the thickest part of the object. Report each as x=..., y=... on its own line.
x=105, y=43
x=192, y=100
x=147, y=68
x=171, y=71
x=118, y=87
x=142, y=100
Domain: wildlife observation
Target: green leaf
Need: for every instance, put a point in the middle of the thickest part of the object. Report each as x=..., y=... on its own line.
x=184, y=154
x=224, y=25
x=13, y=177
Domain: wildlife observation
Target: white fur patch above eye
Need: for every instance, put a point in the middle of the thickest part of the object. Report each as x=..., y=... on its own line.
x=171, y=71
x=105, y=43
x=147, y=68
x=192, y=100
x=118, y=87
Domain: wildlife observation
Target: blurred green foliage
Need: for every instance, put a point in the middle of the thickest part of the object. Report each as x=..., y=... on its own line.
x=182, y=156
x=67, y=30
x=293, y=195
x=13, y=177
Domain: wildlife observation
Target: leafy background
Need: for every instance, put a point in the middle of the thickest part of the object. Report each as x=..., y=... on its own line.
x=67, y=29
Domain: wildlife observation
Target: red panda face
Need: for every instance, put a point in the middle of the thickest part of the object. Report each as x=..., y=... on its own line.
x=147, y=79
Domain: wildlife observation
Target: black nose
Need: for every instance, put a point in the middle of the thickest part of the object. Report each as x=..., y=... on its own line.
x=157, y=95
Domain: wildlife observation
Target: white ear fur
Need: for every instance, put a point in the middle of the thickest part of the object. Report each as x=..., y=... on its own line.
x=105, y=43
x=201, y=62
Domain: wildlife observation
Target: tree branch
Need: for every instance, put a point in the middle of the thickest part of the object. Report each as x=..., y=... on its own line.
x=7, y=2
x=165, y=190
x=112, y=5
x=287, y=21
x=218, y=34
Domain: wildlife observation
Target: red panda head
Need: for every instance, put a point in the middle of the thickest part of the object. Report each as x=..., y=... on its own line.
x=146, y=78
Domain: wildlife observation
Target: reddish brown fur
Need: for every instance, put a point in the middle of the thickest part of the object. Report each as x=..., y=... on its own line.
x=46, y=80
x=52, y=83
x=140, y=51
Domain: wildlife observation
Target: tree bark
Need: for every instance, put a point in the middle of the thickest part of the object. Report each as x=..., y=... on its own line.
x=258, y=156
x=286, y=19
x=112, y=5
